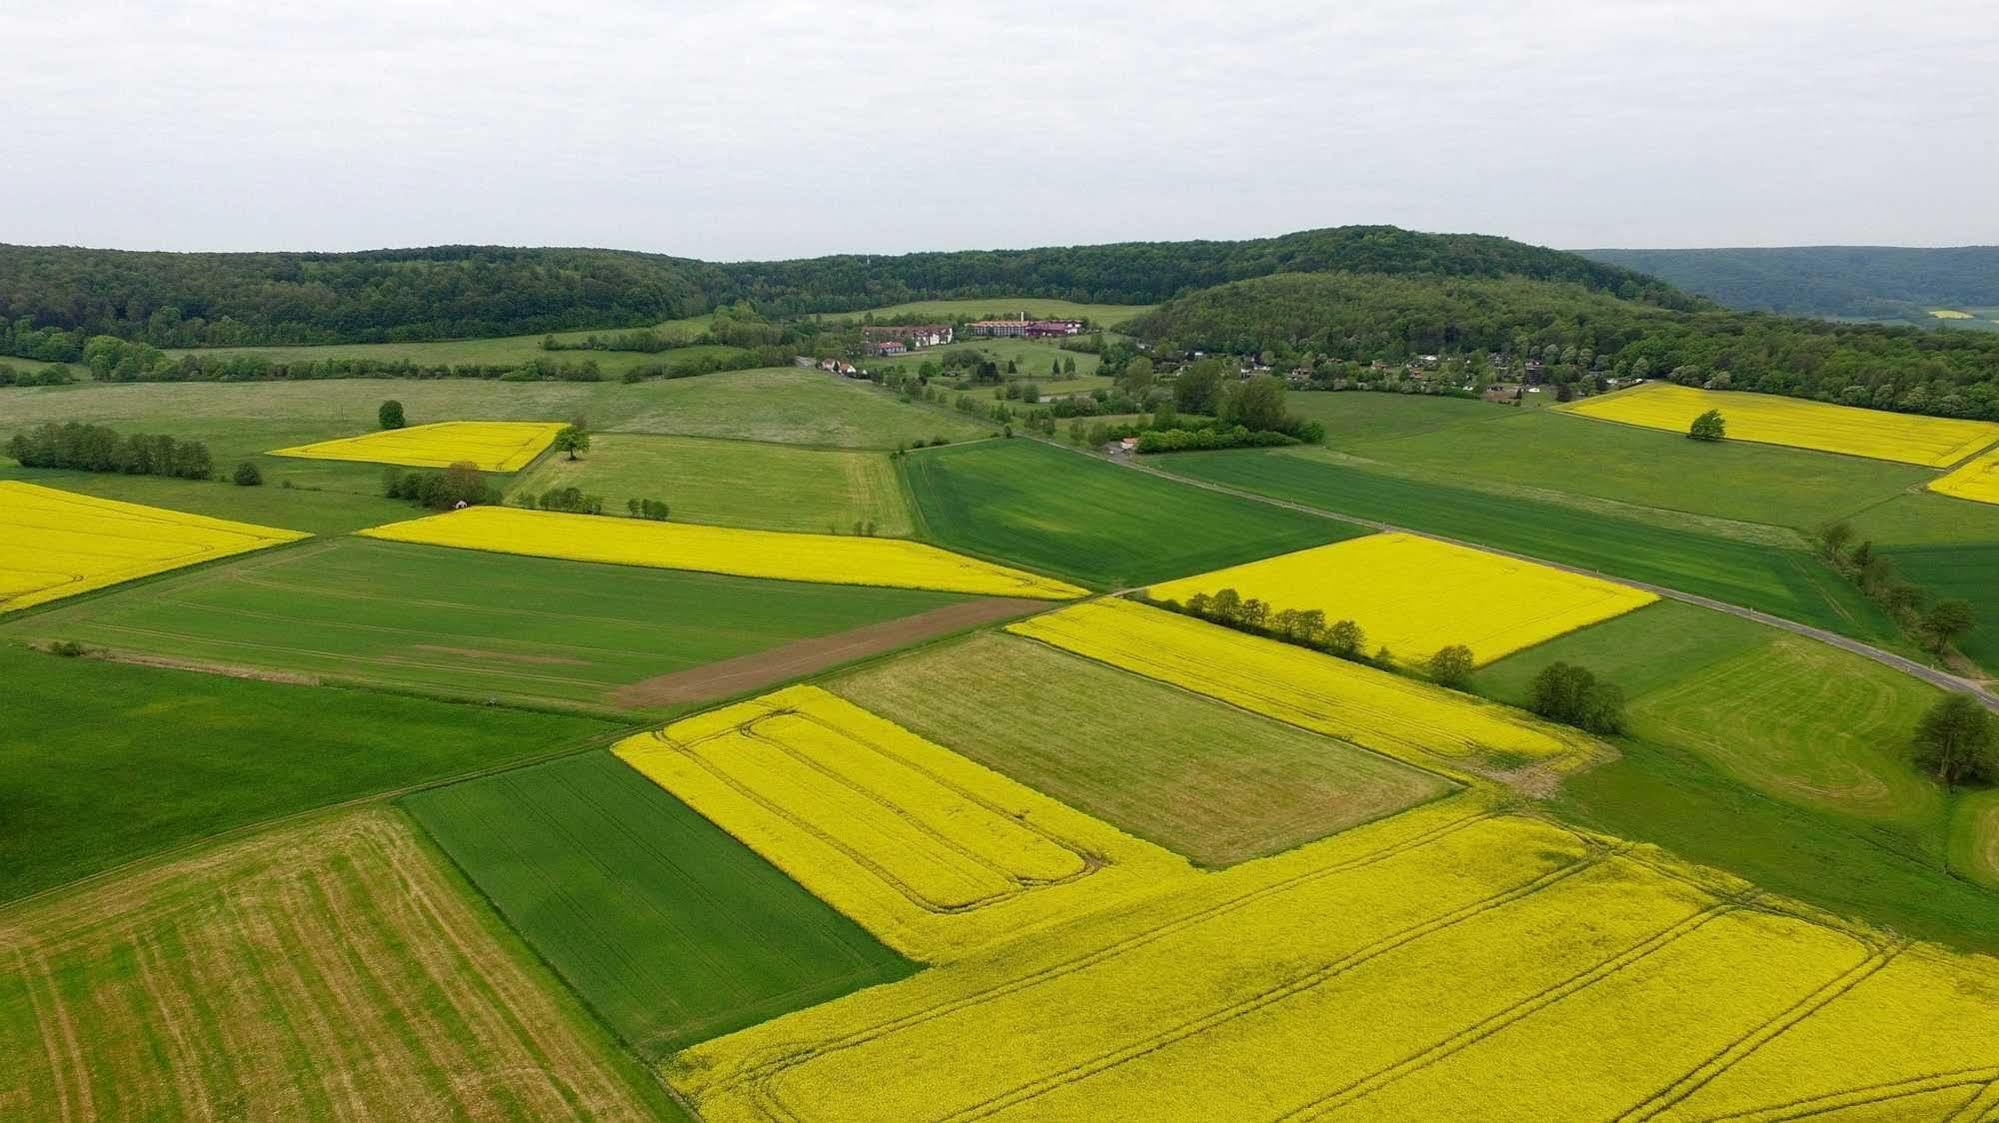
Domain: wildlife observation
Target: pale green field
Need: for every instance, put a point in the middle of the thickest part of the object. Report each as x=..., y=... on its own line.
x=1032, y=357
x=734, y=483
x=509, y=350
x=1001, y=307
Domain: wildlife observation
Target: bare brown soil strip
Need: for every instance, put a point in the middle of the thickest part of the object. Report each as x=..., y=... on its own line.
x=802, y=657
x=226, y=670
x=501, y=656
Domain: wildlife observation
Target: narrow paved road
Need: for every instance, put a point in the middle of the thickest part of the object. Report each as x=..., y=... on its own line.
x=1901, y=663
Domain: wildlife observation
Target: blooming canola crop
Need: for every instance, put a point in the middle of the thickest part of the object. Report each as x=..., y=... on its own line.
x=1414, y=594
x=829, y=558
x=1976, y=479
x=56, y=544
x=490, y=446
x=1935, y=442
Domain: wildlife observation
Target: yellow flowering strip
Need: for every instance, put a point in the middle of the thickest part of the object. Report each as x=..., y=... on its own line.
x=1414, y=594
x=1935, y=442
x=490, y=446
x=931, y=852
x=56, y=544
x=1396, y=716
x=827, y=558
x=1976, y=479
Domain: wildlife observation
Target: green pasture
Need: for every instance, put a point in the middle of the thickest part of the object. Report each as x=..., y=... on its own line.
x=321, y=510
x=1925, y=518
x=1967, y=572
x=1354, y=416
x=1974, y=836
x=1068, y=514
x=1639, y=651
x=1002, y=308
x=1565, y=452
x=107, y=762
x=1212, y=782
x=462, y=623
x=669, y=929
x=508, y=350
x=1032, y=357
x=734, y=483
x=1784, y=582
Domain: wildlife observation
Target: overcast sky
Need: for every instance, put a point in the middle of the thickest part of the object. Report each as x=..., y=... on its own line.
x=730, y=131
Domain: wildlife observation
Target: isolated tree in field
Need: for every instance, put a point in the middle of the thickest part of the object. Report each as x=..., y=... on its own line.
x=1709, y=426
x=1947, y=621
x=1954, y=742
x=1451, y=666
x=390, y=415
x=247, y=475
x=572, y=439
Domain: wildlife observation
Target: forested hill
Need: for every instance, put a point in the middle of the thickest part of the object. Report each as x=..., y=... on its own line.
x=1826, y=280
x=225, y=299
x=1577, y=334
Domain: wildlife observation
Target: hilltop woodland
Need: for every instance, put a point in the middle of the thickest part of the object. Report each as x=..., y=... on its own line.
x=1338, y=325
x=1869, y=281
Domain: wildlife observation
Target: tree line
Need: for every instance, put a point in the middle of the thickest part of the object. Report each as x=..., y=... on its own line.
x=97, y=448
x=1571, y=334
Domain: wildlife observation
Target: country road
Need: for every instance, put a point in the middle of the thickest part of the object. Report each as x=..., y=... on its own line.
x=1901, y=663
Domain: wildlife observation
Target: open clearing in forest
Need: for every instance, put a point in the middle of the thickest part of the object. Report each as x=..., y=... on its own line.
x=735, y=483
x=1415, y=595
x=330, y=970
x=1934, y=442
x=490, y=446
x=1062, y=512
x=672, y=931
x=775, y=555
x=1482, y=966
x=107, y=762
x=1201, y=778
x=56, y=544
x=479, y=626
x=1791, y=583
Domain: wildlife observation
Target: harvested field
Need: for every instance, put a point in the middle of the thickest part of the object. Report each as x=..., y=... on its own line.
x=807, y=656
x=736, y=483
x=1409, y=720
x=671, y=930
x=1414, y=595
x=1491, y=967
x=1936, y=442
x=831, y=559
x=329, y=971
x=1194, y=775
x=490, y=446
x=1975, y=479
x=58, y=544
x=934, y=854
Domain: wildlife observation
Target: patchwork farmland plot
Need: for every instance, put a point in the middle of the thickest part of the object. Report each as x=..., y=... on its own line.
x=1967, y=572
x=327, y=970
x=1935, y=442
x=490, y=446
x=1398, y=717
x=831, y=559
x=58, y=544
x=672, y=931
x=1489, y=967
x=736, y=483
x=1976, y=479
x=1073, y=515
x=1415, y=595
x=481, y=626
x=933, y=853
x=1194, y=775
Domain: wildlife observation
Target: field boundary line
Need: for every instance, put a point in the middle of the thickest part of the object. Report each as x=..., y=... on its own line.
x=1906, y=665
x=1868, y=1094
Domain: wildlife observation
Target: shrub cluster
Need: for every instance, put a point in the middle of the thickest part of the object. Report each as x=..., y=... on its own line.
x=1182, y=440
x=654, y=509
x=1574, y=696
x=569, y=499
x=95, y=448
x=56, y=375
x=460, y=485
x=1935, y=625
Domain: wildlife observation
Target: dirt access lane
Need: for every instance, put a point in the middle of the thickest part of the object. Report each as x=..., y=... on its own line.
x=803, y=657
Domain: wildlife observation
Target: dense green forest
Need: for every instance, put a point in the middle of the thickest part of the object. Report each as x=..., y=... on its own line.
x=1868, y=281
x=53, y=299
x=1574, y=332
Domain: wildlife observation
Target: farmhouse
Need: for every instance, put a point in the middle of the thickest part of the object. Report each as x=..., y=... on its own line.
x=900, y=339
x=1024, y=328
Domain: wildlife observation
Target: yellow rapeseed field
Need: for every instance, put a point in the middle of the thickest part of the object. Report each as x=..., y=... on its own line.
x=1445, y=963
x=1976, y=479
x=1950, y=314
x=56, y=544
x=933, y=853
x=1396, y=716
x=490, y=446
x=1936, y=442
x=1415, y=594
x=828, y=558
